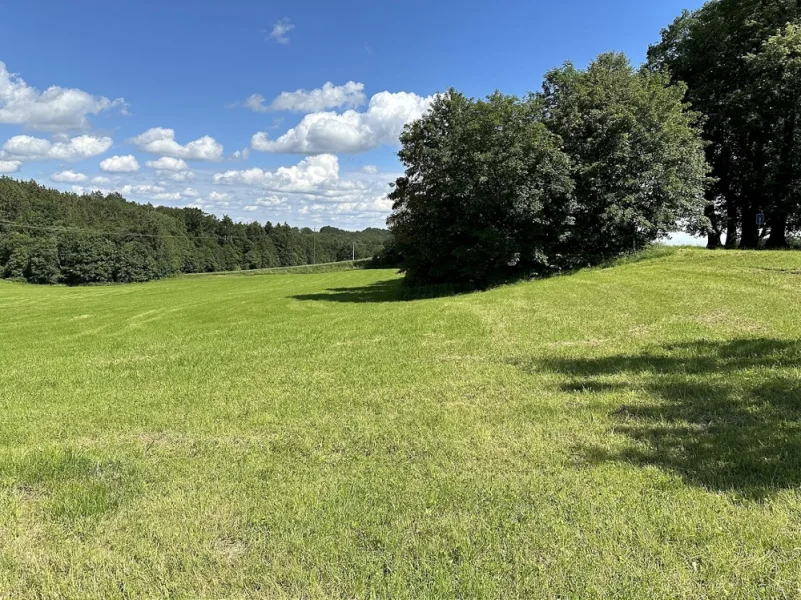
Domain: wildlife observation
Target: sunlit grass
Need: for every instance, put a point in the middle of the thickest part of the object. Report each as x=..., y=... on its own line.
x=630, y=432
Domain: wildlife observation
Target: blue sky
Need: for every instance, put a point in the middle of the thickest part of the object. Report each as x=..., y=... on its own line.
x=270, y=110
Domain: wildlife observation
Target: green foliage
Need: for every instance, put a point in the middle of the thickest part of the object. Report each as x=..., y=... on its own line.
x=739, y=59
x=603, y=161
x=135, y=264
x=487, y=191
x=43, y=263
x=776, y=78
x=85, y=258
x=637, y=158
x=333, y=267
x=388, y=256
x=15, y=254
x=48, y=236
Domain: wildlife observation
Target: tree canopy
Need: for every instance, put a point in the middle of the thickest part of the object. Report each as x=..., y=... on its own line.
x=487, y=191
x=741, y=62
x=601, y=161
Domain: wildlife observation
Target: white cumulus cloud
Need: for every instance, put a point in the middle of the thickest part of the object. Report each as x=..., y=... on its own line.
x=180, y=176
x=142, y=189
x=271, y=201
x=168, y=163
x=68, y=177
x=26, y=147
x=160, y=140
x=306, y=177
x=81, y=190
x=255, y=102
x=55, y=109
x=120, y=164
x=329, y=96
x=9, y=166
x=377, y=205
x=351, y=131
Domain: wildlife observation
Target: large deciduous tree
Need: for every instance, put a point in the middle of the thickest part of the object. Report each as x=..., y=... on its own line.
x=636, y=154
x=776, y=79
x=603, y=161
x=487, y=191
x=739, y=61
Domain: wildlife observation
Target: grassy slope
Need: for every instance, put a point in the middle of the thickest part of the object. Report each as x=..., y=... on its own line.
x=628, y=432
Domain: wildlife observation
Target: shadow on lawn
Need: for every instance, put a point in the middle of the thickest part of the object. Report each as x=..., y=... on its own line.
x=391, y=290
x=396, y=290
x=723, y=415
x=381, y=291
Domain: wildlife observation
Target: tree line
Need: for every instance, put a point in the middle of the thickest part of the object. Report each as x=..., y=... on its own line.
x=605, y=160
x=47, y=236
x=704, y=137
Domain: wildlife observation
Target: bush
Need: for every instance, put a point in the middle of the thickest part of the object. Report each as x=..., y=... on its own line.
x=43, y=264
x=85, y=258
x=15, y=252
x=135, y=264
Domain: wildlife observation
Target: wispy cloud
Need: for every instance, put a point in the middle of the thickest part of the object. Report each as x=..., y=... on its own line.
x=280, y=31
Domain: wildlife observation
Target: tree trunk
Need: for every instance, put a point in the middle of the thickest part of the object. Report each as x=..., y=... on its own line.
x=754, y=198
x=778, y=220
x=750, y=237
x=713, y=241
x=713, y=235
x=731, y=223
x=778, y=230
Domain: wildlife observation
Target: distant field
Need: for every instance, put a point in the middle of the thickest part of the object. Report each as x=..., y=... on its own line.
x=630, y=432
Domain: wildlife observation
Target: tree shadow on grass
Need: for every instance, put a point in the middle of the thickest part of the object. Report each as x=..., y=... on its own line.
x=381, y=291
x=725, y=416
x=397, y=290
x=391, y=290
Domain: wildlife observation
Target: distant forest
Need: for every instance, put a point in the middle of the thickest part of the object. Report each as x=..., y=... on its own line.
x=47, y=236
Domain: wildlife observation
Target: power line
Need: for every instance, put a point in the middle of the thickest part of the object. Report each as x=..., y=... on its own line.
x=78, y=230
x=61, y=229
x=224, y=238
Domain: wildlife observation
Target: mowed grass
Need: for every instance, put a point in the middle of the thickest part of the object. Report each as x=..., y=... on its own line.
x=629, y=432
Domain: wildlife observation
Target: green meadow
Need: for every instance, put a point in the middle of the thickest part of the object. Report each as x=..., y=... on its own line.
x=626, y=432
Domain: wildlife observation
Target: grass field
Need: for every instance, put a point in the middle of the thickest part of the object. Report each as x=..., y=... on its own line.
x=630, y=432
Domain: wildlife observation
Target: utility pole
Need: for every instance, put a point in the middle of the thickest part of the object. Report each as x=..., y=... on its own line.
x=354, y=251
x=314, y=245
